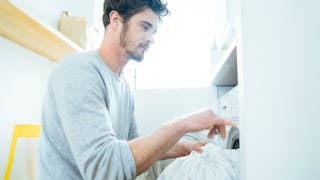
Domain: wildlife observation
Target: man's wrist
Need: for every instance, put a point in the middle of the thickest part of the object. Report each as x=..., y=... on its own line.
x=180, y=126
x=176, y=151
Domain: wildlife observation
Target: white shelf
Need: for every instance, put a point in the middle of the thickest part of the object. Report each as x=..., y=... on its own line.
x=225, y=73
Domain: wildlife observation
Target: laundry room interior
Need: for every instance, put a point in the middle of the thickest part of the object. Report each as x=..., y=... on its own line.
x=253, y=63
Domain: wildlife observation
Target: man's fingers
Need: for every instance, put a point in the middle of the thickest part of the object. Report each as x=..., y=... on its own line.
x=220, y=127
x=203, y=143
x=199, y=150
x=212, y=132
x=228, y=123
x=198, y=146
x=222, y=130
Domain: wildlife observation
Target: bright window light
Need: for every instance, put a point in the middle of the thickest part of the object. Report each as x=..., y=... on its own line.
x=180, y=56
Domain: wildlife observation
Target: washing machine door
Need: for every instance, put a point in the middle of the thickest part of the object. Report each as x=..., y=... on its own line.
x=233, y=141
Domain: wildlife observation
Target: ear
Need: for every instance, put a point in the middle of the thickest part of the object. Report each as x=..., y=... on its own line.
x=115, y=19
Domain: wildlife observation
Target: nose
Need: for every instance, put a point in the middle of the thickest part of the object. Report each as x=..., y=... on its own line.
x=150, y=38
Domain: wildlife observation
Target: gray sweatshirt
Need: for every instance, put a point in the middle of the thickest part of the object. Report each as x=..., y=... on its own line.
x=87, y=119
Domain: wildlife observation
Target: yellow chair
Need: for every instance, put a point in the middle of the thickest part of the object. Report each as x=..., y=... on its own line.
x=20, y=131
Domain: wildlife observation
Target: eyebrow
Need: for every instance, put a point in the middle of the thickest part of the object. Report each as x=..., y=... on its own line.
x=147, y=23
x=150, y=26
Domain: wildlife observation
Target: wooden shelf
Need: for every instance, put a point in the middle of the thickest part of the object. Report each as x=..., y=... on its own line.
x=24, y=30
x=225, y=73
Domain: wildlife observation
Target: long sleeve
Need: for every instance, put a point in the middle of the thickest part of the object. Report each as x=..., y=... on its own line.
x=133, y=131
x=88, y=143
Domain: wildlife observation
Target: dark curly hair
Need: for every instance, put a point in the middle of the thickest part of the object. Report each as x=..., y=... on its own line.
x=127, y=8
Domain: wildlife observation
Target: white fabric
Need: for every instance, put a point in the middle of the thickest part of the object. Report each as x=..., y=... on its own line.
x=213, y=163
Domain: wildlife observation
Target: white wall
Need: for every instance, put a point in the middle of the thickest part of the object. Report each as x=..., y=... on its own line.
x=279, y=87
x=48, y=11
x=154, y=107
x=23, y=77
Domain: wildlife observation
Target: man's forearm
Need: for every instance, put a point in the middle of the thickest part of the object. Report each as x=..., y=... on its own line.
x=176, y=150
x=148, y=149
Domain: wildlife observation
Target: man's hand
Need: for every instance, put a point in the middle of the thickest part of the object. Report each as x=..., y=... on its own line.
x=148, y=149
x=184, y=149
x=192, y=146
x=206, y=119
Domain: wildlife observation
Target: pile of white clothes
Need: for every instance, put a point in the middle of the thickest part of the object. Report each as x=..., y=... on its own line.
x=214, y=163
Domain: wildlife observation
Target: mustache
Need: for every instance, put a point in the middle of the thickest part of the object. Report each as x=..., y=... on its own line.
x=144, y=45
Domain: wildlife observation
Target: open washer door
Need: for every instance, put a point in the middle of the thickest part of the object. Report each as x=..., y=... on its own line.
x=233, y=141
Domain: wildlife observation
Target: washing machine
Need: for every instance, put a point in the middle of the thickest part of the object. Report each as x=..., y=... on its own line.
x=233, y=138
x=228, y=108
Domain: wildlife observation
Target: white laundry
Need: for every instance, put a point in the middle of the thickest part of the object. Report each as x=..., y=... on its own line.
x=213, y=163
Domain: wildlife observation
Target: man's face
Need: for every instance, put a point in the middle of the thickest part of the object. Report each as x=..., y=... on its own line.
x=137, y=34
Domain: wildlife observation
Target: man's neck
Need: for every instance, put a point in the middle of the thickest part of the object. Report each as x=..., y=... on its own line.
x=113, y=57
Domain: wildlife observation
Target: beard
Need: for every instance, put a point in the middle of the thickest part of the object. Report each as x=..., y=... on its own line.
x=132, y=54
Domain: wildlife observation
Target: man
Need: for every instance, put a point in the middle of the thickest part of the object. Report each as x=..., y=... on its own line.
x=88, y=128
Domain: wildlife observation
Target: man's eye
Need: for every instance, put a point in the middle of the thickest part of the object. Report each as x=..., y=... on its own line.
x=146, y=28
x=155, y=31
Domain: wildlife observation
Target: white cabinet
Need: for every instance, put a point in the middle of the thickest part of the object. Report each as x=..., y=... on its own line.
x=225, y=71
x=229, y=104
x=225, y=68
x=278, y=83
x=224, y=58
x=280, y=100
x=225, y=79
